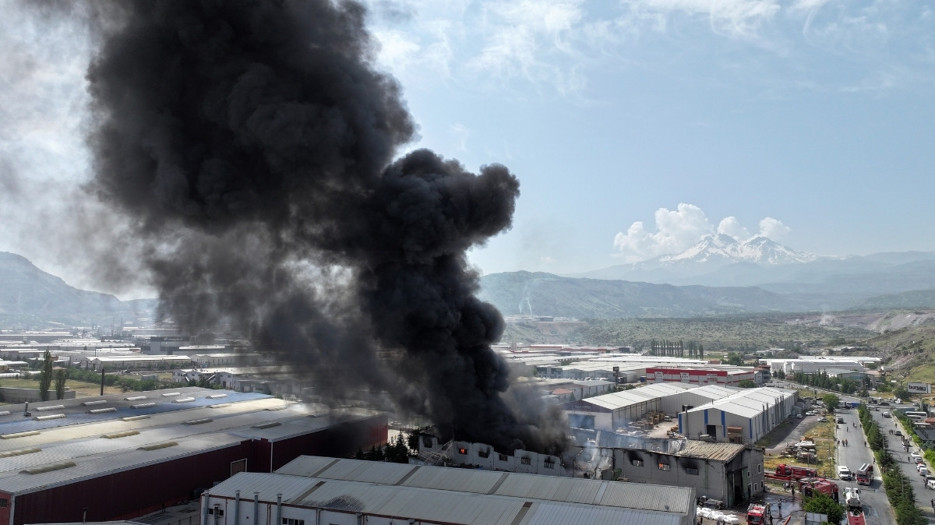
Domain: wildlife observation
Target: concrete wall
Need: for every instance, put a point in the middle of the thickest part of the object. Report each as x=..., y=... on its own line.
x=732, y=482
x=22, y=395
x=482, y=455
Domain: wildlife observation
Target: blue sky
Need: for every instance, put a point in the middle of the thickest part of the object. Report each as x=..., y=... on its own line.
x=637, y=126
x=634, y=127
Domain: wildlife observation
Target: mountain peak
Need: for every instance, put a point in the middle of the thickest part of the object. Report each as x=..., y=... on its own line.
x=724, y=249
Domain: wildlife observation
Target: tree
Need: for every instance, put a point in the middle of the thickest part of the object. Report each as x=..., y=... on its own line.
x=734, y=358
x=746, y=383
x=60, y=376
x=823, y=504
x=831, y=402
x=45, y=376
x=901, y=393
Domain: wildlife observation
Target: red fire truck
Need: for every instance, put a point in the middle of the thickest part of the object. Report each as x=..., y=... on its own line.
x=792, y=472
x=864, y=474
x=757, y=514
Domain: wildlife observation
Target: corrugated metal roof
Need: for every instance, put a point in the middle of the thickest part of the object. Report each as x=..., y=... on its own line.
x=663, y=498
x=545, y=513
x=570, y=490
x=94, y=455
x=642, y=394
x=366, y=471
x=705, y=450
x=96, y=466
x=599, y=502
x=525, y=486
x=476, y=481
x=748, y=402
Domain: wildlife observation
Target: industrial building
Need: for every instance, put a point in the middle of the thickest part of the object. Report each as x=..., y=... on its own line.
x=482, y=455
x=724, y=376
x=738, y=415
x=120, y=456
x=134, y=362
x=321, y=490
x=742, y=417
x=726, y=472
x=619, y=409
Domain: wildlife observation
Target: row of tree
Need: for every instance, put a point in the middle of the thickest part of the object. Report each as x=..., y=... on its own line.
x=47, y=374
x=676, y=349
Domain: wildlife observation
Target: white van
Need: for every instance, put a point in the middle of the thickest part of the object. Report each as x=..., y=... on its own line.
x=844, y=473
x=930, y=484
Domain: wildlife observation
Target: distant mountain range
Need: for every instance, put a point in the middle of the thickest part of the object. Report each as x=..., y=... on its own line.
x=33, y=299
x=721, y=275
x=717, y=276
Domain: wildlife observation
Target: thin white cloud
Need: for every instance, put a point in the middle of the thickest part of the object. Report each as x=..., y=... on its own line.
x=732, y=18
x=677, y=230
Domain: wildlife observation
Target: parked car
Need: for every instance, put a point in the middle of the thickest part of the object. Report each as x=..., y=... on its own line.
x=821, y=420
x=930, y=484
x=844, y=472
x=923, y=471
x=897, y=433
x=915, y=455
x=840, y=420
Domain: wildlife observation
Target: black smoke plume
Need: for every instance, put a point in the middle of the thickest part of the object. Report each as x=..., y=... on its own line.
x=252, y=144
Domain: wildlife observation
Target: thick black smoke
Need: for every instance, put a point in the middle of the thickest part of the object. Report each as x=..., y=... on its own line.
x=252, y=142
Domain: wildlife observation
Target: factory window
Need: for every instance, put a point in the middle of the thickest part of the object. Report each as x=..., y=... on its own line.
x=503, y=457
x=664, y=466
x=238, y=466
x=4, y=502
x=526, y=461
x=462, y=451
x=759, y=468
x=636, y=462
x=291, y=521
x=549, y=463
x=484, y=452
x=691, y=470
x=220, y=512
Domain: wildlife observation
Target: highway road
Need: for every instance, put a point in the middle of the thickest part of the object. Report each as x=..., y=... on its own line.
x=923, y=495
x=877, y=508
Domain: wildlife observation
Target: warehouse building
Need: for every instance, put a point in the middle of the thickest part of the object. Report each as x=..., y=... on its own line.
x=726, y=472
x=332, y=491
x=723, y=376
x=120, y=456
x=742, y=417
x=619, y=409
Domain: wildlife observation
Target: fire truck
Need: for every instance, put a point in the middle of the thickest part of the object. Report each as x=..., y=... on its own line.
x=855, y=511
x=809, y=486
x=864, y=474
x=792, y=472
x=757, y=514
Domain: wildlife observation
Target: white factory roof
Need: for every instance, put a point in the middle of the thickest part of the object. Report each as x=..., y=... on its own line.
x=748, y=402
x=87, y=438
x=462, y=495
x=634, y=396
x=137, y=357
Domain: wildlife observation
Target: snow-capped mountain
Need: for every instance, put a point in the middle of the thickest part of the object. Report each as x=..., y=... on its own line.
x=724, y=249
x=716, y=260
